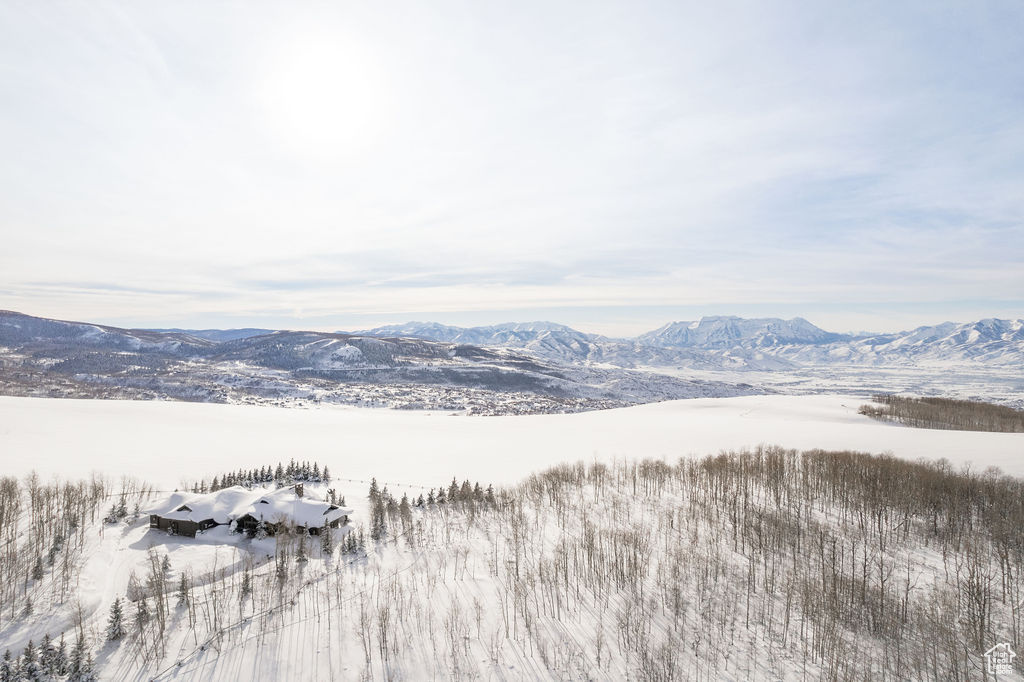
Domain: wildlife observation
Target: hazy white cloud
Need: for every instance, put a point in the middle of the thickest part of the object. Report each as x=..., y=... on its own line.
x=354, y=161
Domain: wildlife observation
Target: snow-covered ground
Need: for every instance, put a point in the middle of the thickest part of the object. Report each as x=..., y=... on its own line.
x=166, y=442
x=451, y=594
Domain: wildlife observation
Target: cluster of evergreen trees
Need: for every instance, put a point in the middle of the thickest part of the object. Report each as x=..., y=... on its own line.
x=455, y=493
x=49, y=661
x=119, y=511
x=354, y=542
x=386, y=511
x=281, y=475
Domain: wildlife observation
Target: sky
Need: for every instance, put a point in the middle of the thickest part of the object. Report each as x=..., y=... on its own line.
x=608, y=165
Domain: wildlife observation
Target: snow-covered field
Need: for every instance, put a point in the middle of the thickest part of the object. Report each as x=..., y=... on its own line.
x=448, y=583
x=165, y=442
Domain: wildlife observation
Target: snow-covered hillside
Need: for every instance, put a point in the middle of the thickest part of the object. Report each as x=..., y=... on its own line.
x=767, y=564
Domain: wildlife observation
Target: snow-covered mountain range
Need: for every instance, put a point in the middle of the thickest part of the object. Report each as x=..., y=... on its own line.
x=507, y=368
x=43, y=357
x=725, y=342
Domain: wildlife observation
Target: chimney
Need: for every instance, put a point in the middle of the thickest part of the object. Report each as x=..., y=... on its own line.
x=298, y=489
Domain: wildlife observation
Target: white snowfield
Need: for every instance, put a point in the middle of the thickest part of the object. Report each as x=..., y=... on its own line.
x=166, y=442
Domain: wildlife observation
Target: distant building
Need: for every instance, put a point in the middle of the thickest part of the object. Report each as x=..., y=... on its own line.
x=248, y=510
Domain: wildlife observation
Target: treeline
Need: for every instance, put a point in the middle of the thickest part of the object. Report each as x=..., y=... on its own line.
x=866, y=567
x=49, y=661
x=281, y=475
x=387, y=512
x=946, y=413
x=42, y=532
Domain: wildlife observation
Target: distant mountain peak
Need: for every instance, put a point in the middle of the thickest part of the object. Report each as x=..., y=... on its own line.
x=727, y=331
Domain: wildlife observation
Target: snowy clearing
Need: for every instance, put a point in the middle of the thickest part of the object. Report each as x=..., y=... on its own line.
x=165, y=442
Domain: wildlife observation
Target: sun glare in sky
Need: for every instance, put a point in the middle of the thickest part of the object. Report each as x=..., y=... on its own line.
x=324, y=96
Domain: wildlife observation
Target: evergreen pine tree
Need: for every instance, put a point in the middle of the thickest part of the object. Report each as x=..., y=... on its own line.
x=60, y=658
x=27, y=611
x=246, y=585
x=29, y=664
x=183, y=590
x=47, y=654
x=87, y=674
x=453, y=491
x=76, y=659
x=115, y=622
x=300, y=552
x=378, y=522
x=490, y=496
x=326, y=476
x=37, y=569
x=405, y=514
x=326, y=542
x=165, y=565
x=6, y=668
x=430, y=497
x=374, y=491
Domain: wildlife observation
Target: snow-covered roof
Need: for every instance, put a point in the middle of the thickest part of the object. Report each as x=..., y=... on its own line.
x=172, y=502
x=276, y=507
x=228, y=504
x=222, y=506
